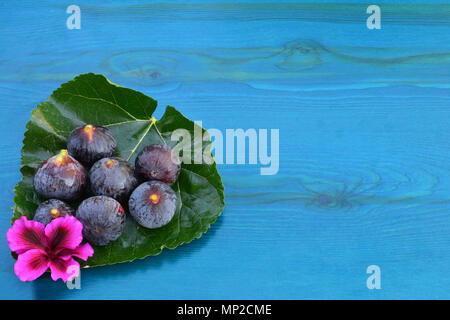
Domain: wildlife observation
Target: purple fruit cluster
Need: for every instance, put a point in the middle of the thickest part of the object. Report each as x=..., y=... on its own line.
x=110, y=182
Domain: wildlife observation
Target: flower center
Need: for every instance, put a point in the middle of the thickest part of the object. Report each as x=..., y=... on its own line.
x=110, y=163
x=55, y=213
x=154, y=173
x=89, y=131
x=61, y=157
x=154, y=198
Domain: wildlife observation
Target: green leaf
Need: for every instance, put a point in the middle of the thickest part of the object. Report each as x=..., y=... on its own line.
x=91, y=98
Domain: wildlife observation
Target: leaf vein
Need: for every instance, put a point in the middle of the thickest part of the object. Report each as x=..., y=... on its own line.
x=140, y=141
x=103, y=100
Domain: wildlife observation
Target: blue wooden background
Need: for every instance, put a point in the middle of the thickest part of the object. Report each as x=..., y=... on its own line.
x=364, y=139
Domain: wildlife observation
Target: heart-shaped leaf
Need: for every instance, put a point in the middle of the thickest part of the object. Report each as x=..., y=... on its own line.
x=91, y=98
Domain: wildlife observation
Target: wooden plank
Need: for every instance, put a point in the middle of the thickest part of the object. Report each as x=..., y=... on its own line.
x=364, y=141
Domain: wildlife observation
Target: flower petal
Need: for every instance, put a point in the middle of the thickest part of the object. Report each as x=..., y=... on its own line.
x=64, y=269
x=64, y=233
x=83, y=252
x=31, y=264
x=25, y=235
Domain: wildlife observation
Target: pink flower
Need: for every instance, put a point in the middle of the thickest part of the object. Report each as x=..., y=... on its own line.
x=40, y=247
